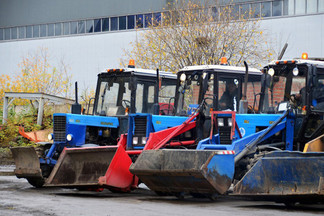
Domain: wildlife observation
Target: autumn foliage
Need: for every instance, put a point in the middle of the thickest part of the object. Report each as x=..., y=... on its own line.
x=192, y=33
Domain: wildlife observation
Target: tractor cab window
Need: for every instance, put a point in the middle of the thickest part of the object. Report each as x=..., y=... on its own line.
x=166, y=96
x=286, y=86
x=189, y=91
x=228, y=94
x=318, y=95
x=114, y=97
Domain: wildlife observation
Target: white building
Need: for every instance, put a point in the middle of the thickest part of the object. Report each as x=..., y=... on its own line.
x=91, y=35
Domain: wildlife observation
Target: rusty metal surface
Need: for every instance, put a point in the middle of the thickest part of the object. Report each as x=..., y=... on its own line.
x=177, y=171
x=81, y=167
x=27, y=162
x=284, y=175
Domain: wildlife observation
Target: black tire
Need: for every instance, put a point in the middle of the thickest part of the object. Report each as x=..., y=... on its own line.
x=36, y=182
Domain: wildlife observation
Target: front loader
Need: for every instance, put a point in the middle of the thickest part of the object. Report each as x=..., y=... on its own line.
x=258, y=153
x=107, y=167
x=118, y=93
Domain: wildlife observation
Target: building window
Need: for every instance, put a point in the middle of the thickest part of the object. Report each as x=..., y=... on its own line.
x=139, y=21
x=14, y=33
x=89, y=26
x=36, y=31
x=311, y=6
x=157, y=19
x=277, y=8
x=114, y=23
x=29, y=31
x=22, y=32
x=300, y=6
x=66, y=28
x=320, y=5
x=255, y=10
x=235, y=12
x=265, y=9
x=131, y=22
x=7, y=34
x=97, y=25
x=81, y=27
x=73, y=27
x=105, y=24
x=214, y=13
x=50, y=30
x=245, y=11
x=122, y=23
x=42, y=30
x=1, y=34
x=58, y=29
x=288, y=7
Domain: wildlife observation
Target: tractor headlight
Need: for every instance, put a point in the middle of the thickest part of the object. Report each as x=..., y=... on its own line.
x=271, y=72
x=220, y=122
x=50, y=136
x=135, y=140
x=143, y=140
x=183, y=77
x=69, y=137
x=295, y=71
x=230, y=122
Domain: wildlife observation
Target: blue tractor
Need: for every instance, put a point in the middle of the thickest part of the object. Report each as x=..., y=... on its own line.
x=119, y=93
x=257, y=153
x=108, y=167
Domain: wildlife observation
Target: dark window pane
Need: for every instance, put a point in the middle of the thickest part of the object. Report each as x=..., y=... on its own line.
x=66, y=28
x=245, y=11
x=58, y=29
x=235, y=12
x=148, y=20
x=50, y=29
x=73, y=27
x=81, y=27
x=157, y=19
x=214, y=13
x=139, y=21
x=42, y=30
x=277, y=8
x=320, y=5
x=122, y=23
x=1, y=34
x=7, y=34
x=29, y=31
x=14, y=32
x=166, y=16
x=97, y=25
x=89, y=26
x=105, y=24
x=36, y=31
x=131, y=22
x=22, y=32
x=265, y=9
x=114, y=23
x=255, y=10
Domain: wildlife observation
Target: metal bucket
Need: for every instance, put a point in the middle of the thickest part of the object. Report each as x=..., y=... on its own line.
x=185, y=171
x=284, y=176
x=83, y=167
x=27, y=162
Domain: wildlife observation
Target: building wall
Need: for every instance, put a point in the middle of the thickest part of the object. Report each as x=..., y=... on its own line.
x=28, y=12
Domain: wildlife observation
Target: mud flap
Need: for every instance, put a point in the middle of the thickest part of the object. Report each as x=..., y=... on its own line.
x=82, y=168
x=185, y=171
x=283, y=176
x=27, y=162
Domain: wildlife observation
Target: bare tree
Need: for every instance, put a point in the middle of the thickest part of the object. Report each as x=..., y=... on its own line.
x=192, y=33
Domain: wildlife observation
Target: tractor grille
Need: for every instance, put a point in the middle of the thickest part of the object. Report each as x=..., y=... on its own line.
x=59, y=128
x=140, y=127
x=225, y=135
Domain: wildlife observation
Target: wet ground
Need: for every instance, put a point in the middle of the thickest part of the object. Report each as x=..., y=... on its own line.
x=17, y=197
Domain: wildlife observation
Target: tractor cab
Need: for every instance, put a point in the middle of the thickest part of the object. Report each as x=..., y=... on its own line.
x=296, y=84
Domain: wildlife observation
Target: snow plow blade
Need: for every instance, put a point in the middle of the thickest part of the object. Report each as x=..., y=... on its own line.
x=27, y=162
x=185, y=171
x=92, y=168
x=285, y=177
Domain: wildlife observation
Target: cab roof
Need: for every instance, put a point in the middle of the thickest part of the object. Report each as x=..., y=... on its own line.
x=221, y=68
x=301, y=61
x=143, y=72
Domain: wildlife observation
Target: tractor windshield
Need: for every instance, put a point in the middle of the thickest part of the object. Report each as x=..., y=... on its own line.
x=285, y=86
